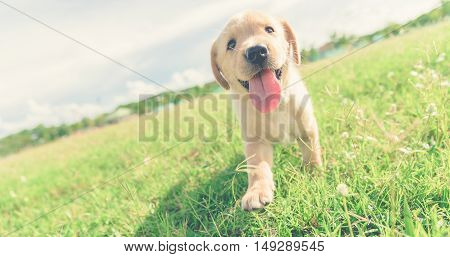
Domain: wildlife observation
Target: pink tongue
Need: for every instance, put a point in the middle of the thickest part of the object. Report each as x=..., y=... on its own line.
x=265, y=91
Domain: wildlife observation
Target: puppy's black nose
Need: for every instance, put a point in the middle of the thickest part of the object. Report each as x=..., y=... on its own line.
x=256, y=54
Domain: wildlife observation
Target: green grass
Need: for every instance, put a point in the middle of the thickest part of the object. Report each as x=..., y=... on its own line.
x=383, y=117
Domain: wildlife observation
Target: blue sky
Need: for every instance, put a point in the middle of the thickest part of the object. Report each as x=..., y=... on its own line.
x=46, y=78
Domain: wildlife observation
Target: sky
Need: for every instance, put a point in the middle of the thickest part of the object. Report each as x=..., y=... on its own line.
x=46, y=78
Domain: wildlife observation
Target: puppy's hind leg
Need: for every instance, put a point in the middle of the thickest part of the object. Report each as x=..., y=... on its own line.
x=309, y=139
x=260, y=180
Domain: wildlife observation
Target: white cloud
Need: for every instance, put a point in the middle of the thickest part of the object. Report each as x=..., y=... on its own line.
x=135, y=89
x=178, y=81
x=40, y=66
x=43, y=113
x=188, y=78
x=54, y=114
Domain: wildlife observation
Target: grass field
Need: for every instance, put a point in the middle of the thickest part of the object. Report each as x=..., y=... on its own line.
x=383, y=117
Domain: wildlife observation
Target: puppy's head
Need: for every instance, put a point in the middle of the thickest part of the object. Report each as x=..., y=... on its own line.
x=251, y=54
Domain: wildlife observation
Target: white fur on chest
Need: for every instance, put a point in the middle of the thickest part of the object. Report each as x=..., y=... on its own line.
x=280, y=125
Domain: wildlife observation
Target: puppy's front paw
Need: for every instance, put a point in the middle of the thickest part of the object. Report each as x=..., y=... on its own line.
x=257, y=196
x=315, y=161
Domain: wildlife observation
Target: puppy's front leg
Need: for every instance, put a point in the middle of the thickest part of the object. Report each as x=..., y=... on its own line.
x=260, y=180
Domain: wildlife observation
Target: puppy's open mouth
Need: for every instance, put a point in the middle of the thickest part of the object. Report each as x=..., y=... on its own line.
x=245, y=83
x=264, y=89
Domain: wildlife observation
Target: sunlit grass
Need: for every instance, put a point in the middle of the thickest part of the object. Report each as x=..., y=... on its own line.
x=383, y=117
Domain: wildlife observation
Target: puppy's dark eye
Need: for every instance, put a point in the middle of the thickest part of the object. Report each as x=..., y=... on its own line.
x=231, y=44
x=269, y=29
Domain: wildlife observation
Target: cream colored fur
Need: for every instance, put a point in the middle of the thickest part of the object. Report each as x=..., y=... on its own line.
x=292, y=121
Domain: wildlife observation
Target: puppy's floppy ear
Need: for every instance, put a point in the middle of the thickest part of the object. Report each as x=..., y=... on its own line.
x=215, y=68
x=292, y=40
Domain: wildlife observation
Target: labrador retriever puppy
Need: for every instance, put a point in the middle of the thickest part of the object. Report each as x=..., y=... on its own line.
x=256, y=59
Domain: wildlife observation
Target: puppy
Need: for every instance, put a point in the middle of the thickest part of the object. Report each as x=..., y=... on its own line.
x=256, y=59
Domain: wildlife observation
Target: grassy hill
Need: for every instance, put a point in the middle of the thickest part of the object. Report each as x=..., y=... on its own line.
x=42, y=134
x=383, y=118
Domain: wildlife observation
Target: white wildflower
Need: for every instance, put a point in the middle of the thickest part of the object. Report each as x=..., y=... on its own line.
x=345, y=135
x=146, y=161
x=360, y=113
x=419, y=65
x=392, y=109
x=405, y=150
x=350, y=155
x=434, y=74
x=371, y=139
x=414, y=73
x=394, y=138
x=346, y=101
x=426, y=146
x=419, y=85
x=445, y=83
x=12, y=194
x=440, y=57
x=432, y=109
x=432, y=141
x=359, y=137
x=342, y=189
